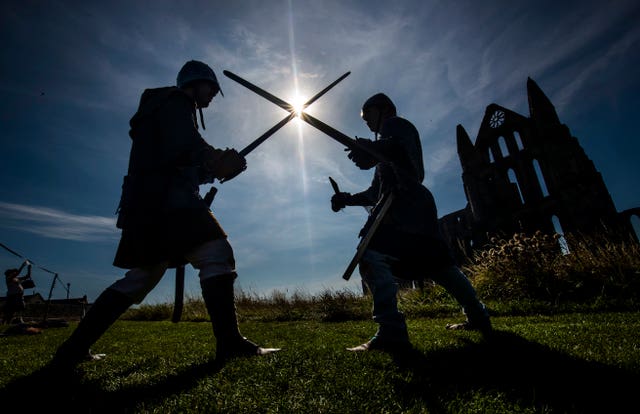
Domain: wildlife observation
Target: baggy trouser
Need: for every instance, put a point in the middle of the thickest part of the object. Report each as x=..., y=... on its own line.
x=375, y=269
x=211, y=259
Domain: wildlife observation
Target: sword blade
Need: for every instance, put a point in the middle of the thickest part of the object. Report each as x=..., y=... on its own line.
x=345, y=140
x=325, y=90
x=268, y=96
x=336, y=189
x=284, y=105
x=274, y=99
x=246, y=150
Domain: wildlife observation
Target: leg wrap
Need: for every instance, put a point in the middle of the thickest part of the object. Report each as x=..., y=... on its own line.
x=212, y=259
x=138, y=282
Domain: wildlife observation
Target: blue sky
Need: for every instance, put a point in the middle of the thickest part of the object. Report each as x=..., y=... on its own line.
x=72, y=74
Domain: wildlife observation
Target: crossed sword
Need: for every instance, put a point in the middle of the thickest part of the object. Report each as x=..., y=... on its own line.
x=378, y=212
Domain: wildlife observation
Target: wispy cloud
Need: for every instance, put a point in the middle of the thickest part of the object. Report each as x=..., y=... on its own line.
x=593, y=68
x=56, y=224
x=441, y=63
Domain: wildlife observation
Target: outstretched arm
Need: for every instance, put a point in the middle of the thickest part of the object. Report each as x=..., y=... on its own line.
x=365, y=198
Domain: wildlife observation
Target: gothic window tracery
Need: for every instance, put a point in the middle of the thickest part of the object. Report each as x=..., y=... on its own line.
x=497, y=119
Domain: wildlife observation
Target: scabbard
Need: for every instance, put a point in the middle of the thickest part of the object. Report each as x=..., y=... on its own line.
x=364, y=243
x=178, y=302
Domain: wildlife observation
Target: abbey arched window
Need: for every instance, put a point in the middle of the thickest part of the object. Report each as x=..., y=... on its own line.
x=564, y=247
x=491, y=159
x=514, y=180
x=503, y=147
x=635, y=223
x=518, y=139
x=541, y=180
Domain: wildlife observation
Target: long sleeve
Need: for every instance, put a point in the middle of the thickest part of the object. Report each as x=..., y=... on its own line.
x=368, y=197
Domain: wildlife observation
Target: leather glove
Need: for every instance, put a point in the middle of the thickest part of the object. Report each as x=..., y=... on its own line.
x=362, y=159
x=227, y=164
x=339, y=201
x=209, y=158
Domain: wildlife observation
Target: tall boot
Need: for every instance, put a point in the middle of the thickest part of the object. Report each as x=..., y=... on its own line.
x=102, y=314
x=218, y=296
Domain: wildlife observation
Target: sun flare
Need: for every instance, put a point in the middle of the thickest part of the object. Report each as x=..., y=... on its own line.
x=297, y=102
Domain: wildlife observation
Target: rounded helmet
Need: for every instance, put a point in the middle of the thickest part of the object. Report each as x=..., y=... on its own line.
x=379, y=100
x=11, y=272
x=195, y=70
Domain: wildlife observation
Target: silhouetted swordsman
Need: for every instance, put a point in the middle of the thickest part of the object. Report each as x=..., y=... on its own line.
x=164, y=221
x=15, y=293
x=407, y=244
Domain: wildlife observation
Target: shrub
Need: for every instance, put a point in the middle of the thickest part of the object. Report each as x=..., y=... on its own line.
x=535, y=267
x=520, y=275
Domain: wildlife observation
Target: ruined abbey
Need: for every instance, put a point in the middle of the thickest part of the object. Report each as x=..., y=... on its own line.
x=525, y=174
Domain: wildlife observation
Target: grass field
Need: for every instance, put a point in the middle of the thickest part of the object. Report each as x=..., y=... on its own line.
x=578, y=362
x=566, y=342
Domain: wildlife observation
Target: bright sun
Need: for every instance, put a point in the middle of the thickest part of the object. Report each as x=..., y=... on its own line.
x=298, y=104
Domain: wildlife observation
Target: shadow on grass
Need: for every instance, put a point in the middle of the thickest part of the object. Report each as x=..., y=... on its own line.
x=527, y=373
x=49, y=391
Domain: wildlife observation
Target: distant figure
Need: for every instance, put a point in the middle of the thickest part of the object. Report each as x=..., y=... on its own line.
x=408, y=244
x=15, y=293
x=165, y=222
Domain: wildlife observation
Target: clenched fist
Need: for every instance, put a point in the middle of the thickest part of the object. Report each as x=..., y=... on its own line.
x=230, y=164
x=223, y=164
x=339, y=201
x=360, y=157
